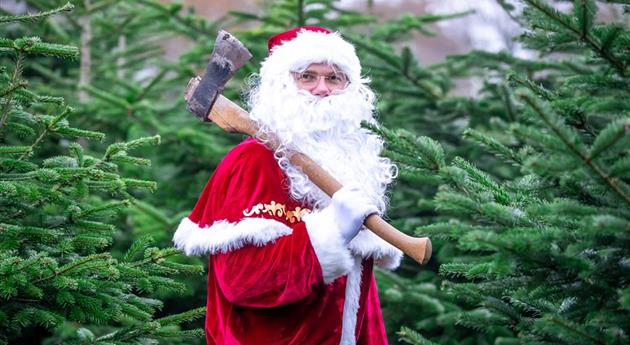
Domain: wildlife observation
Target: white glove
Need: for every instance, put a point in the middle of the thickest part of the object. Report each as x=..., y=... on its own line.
x=350, y=206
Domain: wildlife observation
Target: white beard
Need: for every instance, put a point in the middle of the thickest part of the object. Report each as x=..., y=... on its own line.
x=328, y=131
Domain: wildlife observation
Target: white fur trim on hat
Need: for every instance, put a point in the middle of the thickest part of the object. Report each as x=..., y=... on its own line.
x=313, y=47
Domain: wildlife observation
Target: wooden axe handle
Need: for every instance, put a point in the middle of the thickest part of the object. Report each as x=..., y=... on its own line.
x=232, y=118
x=417, y=248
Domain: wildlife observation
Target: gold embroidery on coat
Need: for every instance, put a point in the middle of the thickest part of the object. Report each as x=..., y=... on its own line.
x=278, y=210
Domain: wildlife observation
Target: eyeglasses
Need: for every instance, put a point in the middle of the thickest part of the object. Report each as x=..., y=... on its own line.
x=310, y=79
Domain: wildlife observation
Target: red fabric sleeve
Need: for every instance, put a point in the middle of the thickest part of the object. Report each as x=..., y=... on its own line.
x=276, y=274
x=257, y=273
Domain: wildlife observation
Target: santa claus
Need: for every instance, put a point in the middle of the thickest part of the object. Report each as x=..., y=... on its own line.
x=288, y=264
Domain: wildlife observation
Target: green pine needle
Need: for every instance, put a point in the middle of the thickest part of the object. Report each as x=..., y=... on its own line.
x=37, y=16
x=412, y=337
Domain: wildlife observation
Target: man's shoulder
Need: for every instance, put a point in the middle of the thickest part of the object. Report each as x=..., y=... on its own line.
x=250, y=147
x=249, y=151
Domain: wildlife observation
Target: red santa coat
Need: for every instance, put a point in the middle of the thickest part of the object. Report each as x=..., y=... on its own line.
x=278, y=273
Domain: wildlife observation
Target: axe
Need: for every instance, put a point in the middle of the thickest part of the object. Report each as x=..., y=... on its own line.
x=204, y=99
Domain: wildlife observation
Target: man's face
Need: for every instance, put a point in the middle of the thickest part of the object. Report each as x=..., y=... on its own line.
x=321, y=79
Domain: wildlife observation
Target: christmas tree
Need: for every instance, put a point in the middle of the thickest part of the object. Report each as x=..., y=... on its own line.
x=59, y=206
x=535, y=226
x=523, y=187
x=127, y=86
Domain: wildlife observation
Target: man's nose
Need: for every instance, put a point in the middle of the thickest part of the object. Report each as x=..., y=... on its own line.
x=321, y=89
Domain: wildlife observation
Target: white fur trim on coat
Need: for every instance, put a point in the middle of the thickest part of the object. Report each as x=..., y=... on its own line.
x=334, y=258
x=313, y=47
x=351, y=304
x=223, y=236
x=366, y=244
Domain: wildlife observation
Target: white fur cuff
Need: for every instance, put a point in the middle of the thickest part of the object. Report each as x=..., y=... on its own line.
x=334, y=258
x=366, y=244
x=223, y=236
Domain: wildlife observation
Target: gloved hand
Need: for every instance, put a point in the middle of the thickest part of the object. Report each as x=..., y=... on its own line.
x=350, y=206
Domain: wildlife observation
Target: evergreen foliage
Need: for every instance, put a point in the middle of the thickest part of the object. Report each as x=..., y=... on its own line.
x=59, y=203
x=532, y=229
x=129, y=88
x=523, y=187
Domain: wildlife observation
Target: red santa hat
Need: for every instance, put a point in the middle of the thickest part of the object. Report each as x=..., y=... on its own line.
x=297, y=48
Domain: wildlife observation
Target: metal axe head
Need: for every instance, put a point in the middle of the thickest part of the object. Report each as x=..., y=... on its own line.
x=228, y=55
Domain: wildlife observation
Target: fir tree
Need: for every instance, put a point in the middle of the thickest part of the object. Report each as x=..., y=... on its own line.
x=541, y=232
x=58, y=205
x=512, y=201
x=128, y=88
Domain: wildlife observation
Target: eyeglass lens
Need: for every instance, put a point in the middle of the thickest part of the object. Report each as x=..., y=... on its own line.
x=310, y=79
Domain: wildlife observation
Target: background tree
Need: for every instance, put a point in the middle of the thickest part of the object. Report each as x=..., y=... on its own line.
x=125, y=85
x=536, y=218
x=58, y=206
x=530, y=225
